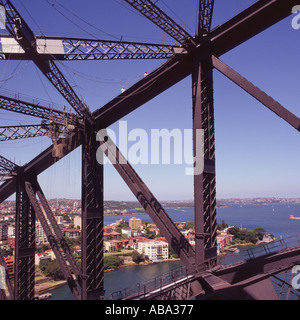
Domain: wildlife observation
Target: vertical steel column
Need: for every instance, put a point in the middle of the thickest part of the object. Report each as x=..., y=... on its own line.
x=24, y=243
x=204, y=180
x=92, y=218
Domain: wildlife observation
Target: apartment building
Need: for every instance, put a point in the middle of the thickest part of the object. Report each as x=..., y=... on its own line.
x=135, y=223
x=155, y=250
x=3, y=231
x=72, y=233
x=40, y=235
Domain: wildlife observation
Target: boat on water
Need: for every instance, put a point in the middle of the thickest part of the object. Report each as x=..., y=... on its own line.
x=43, y=296
x=292, y=217
x=234, y=250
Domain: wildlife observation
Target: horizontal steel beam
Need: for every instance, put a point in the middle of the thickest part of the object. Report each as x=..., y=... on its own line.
x=53, y=48
x=21, y=132
x=223, y=39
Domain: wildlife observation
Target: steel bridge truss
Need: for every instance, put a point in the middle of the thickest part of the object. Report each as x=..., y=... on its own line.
x=190, y=56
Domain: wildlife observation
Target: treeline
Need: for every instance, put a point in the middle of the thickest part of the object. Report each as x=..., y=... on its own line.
x=242, y=235
x=248, y=236
x=112, y=261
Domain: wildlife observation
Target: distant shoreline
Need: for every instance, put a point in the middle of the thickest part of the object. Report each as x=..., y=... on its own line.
x=138, y=212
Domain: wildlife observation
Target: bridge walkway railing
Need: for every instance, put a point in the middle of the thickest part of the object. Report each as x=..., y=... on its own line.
x=179, y=274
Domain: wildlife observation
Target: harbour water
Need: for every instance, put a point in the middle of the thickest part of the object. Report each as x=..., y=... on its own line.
x=274, y=218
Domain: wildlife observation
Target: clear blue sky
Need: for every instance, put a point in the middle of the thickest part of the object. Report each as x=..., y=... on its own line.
x=257, y=153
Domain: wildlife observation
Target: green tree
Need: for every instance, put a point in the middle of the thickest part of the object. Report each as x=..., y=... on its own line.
x=112, y=261
x=190, y=225
x=251, y=237
x=43, y=265
x=172, y=253
x=137, y=257
x=235, y=231
x=53, y=270
x=260, y=233
x=222, y=225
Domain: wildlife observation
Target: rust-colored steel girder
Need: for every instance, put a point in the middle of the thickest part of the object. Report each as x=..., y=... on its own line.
x=223, y=38
x=250, y=22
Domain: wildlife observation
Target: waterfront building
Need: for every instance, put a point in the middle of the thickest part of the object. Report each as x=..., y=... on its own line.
x=121, y=221
x=114, y=245
x=220, y=245
x=227, y=238
x=135, y=223
x=45, y=256
x=108, y=246
x=223, y=240
x=155, y=250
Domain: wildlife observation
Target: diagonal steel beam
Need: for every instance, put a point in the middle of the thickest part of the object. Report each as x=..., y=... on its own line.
x=24, y=36
x=56, y=229
x=51, y=239
x=250, y=22
x=258, y=94
x=162, y=20
x=223, y=38
x=151, y=205
x=171, y=72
